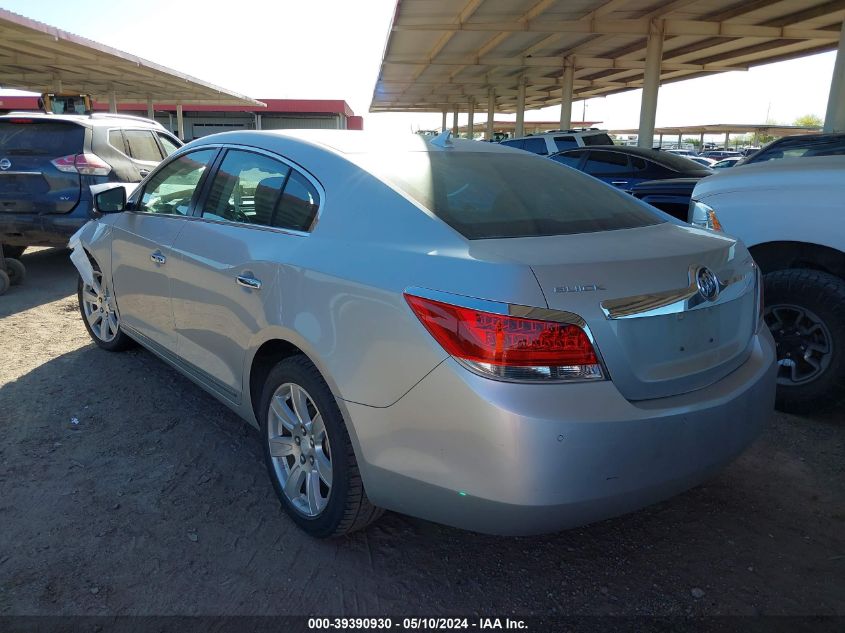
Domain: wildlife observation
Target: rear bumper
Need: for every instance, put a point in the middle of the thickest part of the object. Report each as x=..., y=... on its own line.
x=33, y=229
x=511, y=458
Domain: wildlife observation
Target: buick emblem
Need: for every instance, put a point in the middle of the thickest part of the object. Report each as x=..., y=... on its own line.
x=5, y=163
x=708, y=283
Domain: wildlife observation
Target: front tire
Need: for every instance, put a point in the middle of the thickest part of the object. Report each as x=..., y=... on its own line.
x=99, y=314
x=805, y=311
x=309, y=454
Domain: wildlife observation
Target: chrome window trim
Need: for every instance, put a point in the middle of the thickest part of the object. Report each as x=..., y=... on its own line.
x=678, y=300
x=292, y=165
x=244, y=225
x=522, y=312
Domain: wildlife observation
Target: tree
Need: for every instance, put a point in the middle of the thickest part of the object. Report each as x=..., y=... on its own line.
x=809, y=120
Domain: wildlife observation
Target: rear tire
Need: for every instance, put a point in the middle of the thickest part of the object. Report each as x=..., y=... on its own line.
x=805, y=311
x=14, y=252
x=16, y=271
x=298, y=450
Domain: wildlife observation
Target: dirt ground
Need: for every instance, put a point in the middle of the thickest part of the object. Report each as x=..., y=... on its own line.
x=125, y=489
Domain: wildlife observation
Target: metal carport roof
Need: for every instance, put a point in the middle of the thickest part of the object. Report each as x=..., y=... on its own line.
x=441, y=53
x=763, y=129
x=38, y=57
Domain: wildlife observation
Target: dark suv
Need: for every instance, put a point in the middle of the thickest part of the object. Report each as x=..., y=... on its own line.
x=48, y=162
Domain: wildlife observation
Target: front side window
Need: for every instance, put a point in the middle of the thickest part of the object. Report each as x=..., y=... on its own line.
x=605, y=163
x=570, y=159
x=170, y=190
x=516, y=143
x=256, y=189
x=142, y=145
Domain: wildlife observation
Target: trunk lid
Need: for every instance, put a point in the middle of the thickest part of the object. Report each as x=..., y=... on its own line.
x=29, y=182
x=637, y=289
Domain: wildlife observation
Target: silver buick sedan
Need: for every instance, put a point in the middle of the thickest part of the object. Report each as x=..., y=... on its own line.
x=453, y=330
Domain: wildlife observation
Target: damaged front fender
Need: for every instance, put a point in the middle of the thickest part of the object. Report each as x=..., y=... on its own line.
x=91, y=237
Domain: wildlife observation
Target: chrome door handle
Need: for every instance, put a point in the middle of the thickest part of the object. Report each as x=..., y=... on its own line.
x=249, y=282
x=618, y=182
x=158, y=258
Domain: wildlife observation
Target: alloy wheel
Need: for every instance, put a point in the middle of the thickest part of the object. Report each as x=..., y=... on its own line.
x=803, y=343
x=300, y=449
x=100, y=310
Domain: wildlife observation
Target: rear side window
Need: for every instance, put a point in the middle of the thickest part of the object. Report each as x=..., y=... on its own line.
x=565, y=142
x=536, y=145
x=299, y=203
x=485, y=195
x=170, y=190
x=518, y=144
x=116, y=140
x=597, y=139
x=29, y=137
x=602, y=163
x=142, y=145
x=255, y=189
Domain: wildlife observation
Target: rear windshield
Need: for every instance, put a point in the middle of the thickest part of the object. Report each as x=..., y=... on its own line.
x=36, y=138
x=497, y=195
x=597, y=139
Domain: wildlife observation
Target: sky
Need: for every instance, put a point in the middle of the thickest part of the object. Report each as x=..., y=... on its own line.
x=332, y=49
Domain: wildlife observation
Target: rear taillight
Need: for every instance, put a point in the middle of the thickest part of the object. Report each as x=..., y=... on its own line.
x=85, y=164
x=508, y=347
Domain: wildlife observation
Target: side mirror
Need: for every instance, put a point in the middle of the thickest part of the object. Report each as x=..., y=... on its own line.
x=109, y=198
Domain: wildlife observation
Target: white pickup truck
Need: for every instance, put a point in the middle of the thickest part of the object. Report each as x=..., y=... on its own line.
x=790, y=214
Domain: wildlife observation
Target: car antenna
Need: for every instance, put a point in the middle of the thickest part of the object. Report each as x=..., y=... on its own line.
x=443, y=139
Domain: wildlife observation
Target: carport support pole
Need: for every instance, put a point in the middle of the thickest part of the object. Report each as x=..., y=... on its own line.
x=112, y=102
x=566, y=94
x=519, y=128
x=651, y=84
x=491, y=113
x=727, y=141
x=151, y=113
x=455, y=123
x=471, y=120
x=445, y=114
x=180, y=122
x=834, y=120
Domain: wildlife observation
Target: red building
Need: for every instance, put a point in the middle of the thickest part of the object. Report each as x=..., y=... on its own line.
x=201, y=120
